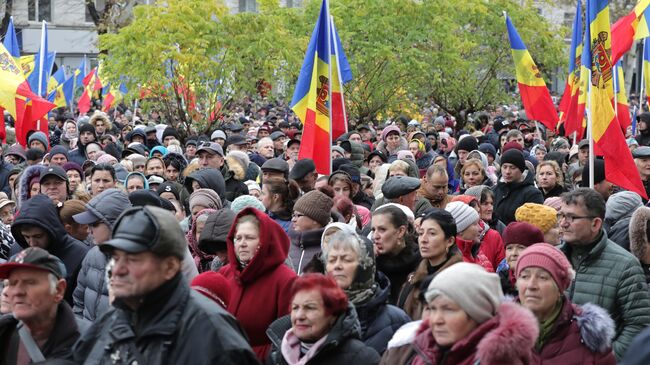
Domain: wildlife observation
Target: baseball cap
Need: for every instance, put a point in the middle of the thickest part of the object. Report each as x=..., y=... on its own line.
x=218, y=134
x=54, y=171
x=34, y=258
x=212, y=147
x=147, y=228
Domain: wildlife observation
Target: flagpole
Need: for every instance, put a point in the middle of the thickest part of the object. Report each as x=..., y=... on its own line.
x=329, y=68
x=42, y=55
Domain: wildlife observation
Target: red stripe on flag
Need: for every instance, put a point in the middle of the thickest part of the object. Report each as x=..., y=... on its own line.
x=338, y=116
x=623, y=116
x=538, y=104
x=315, y=144
x=623, y=36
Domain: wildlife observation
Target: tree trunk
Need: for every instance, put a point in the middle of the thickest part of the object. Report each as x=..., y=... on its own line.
x=9, y=5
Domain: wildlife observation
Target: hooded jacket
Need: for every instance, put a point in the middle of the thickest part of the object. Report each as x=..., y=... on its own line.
x=580, y=335
x=341, y=346
x=510, y=196
x=207, y=179
x=618, y=214
x=234, y=186
x=23, y=184
x=264, y=280
x=90, y=297
x=215, y=231
x=41, y=212
x=507, y=338
x=639, y=237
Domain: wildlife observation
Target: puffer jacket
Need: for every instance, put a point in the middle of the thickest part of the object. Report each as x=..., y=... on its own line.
x=173, y=325
x=304, y=247
x=409, y=295
x=510, y=196
x=40, y=211
x=580, y=335
x=618, y=213
x=612, y=278
x=264, y=280
x=507, y=338
x=398, y=267
x=379, y=320
x=91, y=294
x=341, y=346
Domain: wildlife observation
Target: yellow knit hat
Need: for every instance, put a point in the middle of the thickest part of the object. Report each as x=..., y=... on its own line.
x=541, y=216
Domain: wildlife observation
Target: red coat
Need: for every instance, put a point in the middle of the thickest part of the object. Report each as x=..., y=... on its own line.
x=507, y=338
x=491, y=245
x=259, y=294
x=465, y=248
x=568, y=346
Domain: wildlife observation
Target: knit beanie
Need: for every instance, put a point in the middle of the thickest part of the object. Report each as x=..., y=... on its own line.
x=539, y=215
x=522, y=233
x=554, y=202
x=214, y=286
x=476, y=191
x=315, y=205
x=87, y=127
x=389, y=129
x=514, y=157
x=169, y=131
x=106, y=158
x=245, y=201
x=74, y=166
x=512, y=145
x=206, y=198
x=549, y=258
x=170, y=187
x=463, y=214
x=468, y=144
x=38, y=136
x=59, y=150
x=475, y=290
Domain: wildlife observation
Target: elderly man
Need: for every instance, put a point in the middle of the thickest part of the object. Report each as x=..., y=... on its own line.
x=435, y=186
x=402, y=190
x=642, y=160
x=606, y=274
x=304, y=173
x=156, y=317
x=41, y=325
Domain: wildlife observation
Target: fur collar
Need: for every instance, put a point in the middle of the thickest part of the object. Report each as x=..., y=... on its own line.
x=597, y=328
x=638, y=234
x=236, y=168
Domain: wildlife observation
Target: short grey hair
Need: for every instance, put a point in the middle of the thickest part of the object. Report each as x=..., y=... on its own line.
x=263, y=141
x=343, y=240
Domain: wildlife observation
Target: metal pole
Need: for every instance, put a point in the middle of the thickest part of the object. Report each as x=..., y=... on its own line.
x=41, y=54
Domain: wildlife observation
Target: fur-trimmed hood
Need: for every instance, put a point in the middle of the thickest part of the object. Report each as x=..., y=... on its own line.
x=507, y=338
x=236, y=167
x=23, y=185
x=597, y=329
x=638, y=232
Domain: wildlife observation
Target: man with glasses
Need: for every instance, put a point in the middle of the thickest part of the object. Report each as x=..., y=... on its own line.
x=606, y=274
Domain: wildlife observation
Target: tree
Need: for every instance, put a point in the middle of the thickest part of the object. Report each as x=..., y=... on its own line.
x=192, y=58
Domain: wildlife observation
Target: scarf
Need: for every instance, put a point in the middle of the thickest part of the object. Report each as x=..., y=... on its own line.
x=198, y=255
x=296, y=352
x=546, y=326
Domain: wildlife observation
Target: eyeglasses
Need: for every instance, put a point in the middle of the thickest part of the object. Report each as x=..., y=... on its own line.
x=570, y=218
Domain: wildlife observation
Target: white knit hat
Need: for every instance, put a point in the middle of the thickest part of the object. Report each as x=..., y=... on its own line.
x=463, y=214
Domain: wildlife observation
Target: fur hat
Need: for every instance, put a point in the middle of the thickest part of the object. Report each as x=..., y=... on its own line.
x=315, y=205
x=549, y=258
x=463, y=214
x=539, y=215
x=639, y=232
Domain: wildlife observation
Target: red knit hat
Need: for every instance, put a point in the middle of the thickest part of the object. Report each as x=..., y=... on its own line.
x=549, y=258
x=522, y=233
x=510, y=145
x=214, y=286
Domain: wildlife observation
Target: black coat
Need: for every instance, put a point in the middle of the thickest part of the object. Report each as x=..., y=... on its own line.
x=556, y=191
x=41, y=212
x=342, y=345
x=173, y=325
x=510, y=196
x=397, y=268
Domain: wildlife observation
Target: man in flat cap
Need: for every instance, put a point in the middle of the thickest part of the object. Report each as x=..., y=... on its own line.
x=403, y=190
x=641, y=157
x=275, y=167
x=156, y=318
x=304, y=173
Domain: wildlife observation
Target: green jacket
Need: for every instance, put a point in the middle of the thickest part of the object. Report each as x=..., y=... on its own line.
x=613, y=279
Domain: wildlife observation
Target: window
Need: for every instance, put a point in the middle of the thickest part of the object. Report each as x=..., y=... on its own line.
x=247, y=5
x=39, y=10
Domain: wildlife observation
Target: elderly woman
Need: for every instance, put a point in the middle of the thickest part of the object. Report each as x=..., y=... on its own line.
x=395, y=246
x=516, y=237
x=321, y=328
x=569, y=334
x=154, y=166
x=550, y=179
x=437, y=245
x=467, y=323
x=350, y=261
x=485, y=197
x=135, y=181
x=201, y=259
x=392, y=142
x=259, y=280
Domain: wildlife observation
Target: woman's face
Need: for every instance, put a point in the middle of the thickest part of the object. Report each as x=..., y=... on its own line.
x=134, y=183
x=74, y=178
x=247, y=241
x=374, y=162
x=341, y=188
x=303, y=223
x=309, y=320
x=396, y=172
x=449, y=323
x=472, y=176
x=432, y=242
x=196, y=209
x=34, y=190
x=487, y=208
x=70, y=129
x=414, y=147
x=539, y=154
x=538, y=291
x=471, y=233
x=342, y=266
x=392, y=140
x=155, y=167
x=513, y=251
x=7, y=214
x=171, y=174
x=546, y=177
x=386, y=238
x=267, y=197
x=91, y=151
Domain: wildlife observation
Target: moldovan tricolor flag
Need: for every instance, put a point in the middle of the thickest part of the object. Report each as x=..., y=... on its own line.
x=323, y=119
x=569, y=103
x=607, y=134
x=622, y=105
x=534, y=93
x=91, y=84
x=628, y=28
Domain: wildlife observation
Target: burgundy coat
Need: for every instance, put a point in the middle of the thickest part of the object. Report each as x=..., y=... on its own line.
x=581, y=335
x=491, y=245
x=507, y=338
x=259, y=294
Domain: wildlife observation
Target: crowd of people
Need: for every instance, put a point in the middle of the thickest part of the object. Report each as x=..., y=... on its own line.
x=126, y=241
